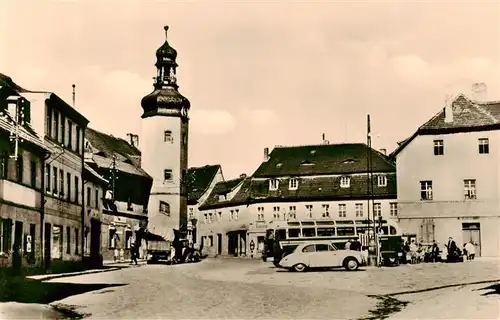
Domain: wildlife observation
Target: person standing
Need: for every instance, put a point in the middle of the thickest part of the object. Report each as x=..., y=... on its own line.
x=133, y=254
x=471, y=250
x=348, y=245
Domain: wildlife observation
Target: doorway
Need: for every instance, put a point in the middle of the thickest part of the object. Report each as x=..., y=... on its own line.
x=18, y=242
x=219, y=243
x=472, y=232
x=47, y=244
x=95, y=238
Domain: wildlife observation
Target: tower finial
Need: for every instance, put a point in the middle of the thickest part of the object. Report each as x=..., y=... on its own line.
x=73, y=85
x=166, y=32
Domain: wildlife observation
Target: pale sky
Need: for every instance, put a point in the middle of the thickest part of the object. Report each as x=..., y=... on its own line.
x=258, y=73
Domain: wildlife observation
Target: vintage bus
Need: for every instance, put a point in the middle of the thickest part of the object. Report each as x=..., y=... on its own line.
x=282, y=237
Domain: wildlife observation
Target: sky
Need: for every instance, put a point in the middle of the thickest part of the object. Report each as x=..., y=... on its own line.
x=258, y=73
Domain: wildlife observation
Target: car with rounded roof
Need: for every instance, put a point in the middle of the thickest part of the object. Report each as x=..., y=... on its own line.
x=316, y=254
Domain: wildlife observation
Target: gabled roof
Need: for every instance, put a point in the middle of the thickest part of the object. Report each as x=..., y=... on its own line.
x=199, y=180
x=106, y=146
x=327, y=159
x=91, y=174
x=8, y=82
x=468, y=116
x=223, y=188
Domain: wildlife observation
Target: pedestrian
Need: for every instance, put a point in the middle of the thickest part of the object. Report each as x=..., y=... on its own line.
x=348, y=245
x=452, y=250
x=471, y=250
x=133, y=254
x=434, y=251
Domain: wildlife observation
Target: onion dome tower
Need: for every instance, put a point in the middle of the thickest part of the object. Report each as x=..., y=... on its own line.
x=164, y=151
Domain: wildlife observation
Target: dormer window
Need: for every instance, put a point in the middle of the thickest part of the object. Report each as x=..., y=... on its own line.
x=345, y=182
x=168, y=136
x=382, y=181
x=274, y=184
x=222, y=197
x=294, y=184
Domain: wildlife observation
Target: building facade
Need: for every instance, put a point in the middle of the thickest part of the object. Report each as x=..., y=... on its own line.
x=21, y=185
x=165, y=124
x=299, y=183
x=200, y=183
x=124, y=197
x=448, y=176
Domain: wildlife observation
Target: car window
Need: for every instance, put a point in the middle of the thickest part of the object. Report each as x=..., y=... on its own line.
x=309, y=248
x=322, y=247
x=332, y=248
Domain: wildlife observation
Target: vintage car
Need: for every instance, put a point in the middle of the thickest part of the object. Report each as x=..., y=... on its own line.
x=322, y=255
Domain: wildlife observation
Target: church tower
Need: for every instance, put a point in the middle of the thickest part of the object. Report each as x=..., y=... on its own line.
x=165, y=146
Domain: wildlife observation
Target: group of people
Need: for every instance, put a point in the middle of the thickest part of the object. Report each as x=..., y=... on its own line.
x=416, y=253
x=353, y=245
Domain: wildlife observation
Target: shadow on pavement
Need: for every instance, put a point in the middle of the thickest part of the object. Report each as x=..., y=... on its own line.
x=34, y=291
x=385, y=307
x=495, y=289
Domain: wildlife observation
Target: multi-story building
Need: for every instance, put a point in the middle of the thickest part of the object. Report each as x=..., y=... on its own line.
x=21, y=181
x=125, y=196
x=329, y=181
x=448, y=176
x=200, y=182
x=165, y=124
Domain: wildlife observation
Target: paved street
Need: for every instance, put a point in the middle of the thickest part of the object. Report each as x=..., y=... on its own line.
x=231, y=288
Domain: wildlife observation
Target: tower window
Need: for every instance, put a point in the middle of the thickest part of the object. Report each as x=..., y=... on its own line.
x=164, y=208
x=167, y=174
x=168, y=136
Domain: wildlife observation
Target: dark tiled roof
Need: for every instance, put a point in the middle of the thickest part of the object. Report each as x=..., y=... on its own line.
x=223, y=188
x=8, y=82
x=106, y=146
x=198, y=180
x=322, y=159
x=468, y=115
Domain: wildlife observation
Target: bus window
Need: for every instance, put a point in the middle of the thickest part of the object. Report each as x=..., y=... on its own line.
x=326, y=232
x=361, y=230
x=308, y=232
x=345, y=231
x=393, y=230
x=281, y=233
x=293, y=233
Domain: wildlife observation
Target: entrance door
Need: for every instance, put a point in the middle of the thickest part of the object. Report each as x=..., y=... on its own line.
x=472, y=232
x=95, y=238
x=219, y=243
x=46, y=245
x=231, y=243
x=18, y=242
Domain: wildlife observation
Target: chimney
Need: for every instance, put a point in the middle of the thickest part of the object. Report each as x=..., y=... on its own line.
x=133, y=140
x=243, y=175
x=479, y=91
x=324, y=139
x=266, y=154
x=448, y=110
x=383, y=151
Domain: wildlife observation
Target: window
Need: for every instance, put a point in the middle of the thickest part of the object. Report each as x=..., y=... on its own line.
x=237, y=213
x=377, y=209
x=484, y=145
x=309, y=232
x=342, y=210
x=56, y=125
x=167, y=137
x=260, y=213
x=382, y=181
x=5, y=165
x=63, y=129
x=57, y=242
x=220, y=215
x=20, y=168
x=33, y=174
x=326, y=232
x=294, y=233
x=323, y=247
x=294, y=184
x=191, y=213
x=77, y=142
x=68, y=240
x=309, y=209
x=345, y=182
x=206, y=217
x=274, y=184
x=167, y=174
x=68, y=186
x=231, y=214
x=61, y=183
x=292, y=212
x=129, y=204
x=309, y=248
x=165, y=208
x=438, y=147
x=222, y=197
x=70, y=134
x=76, y=241
x=77, y=198
x=54, y=180
x=470, y=189
x=47, y=177
x=6, y=235
x=112, y=238
x=326, y=210
x=210, y=216
x=345, y=231
x=425, y=190
x=88, y=197
x=394, y=209
x=48, y=129
x=359, y=209
x=276, y=212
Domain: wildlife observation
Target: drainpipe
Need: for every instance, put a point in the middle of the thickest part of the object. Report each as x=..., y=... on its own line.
x=83, y=193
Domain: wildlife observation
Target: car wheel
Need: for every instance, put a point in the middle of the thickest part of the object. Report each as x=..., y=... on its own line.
x=351, y=264
x=299, y=267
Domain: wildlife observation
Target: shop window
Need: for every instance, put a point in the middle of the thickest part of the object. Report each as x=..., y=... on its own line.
x=112, y=238
x=57, y=242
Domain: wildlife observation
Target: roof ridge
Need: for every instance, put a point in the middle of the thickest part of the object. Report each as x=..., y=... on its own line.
x=317, y=145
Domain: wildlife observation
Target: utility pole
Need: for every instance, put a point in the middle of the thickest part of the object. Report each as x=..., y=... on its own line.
x=370, y=193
